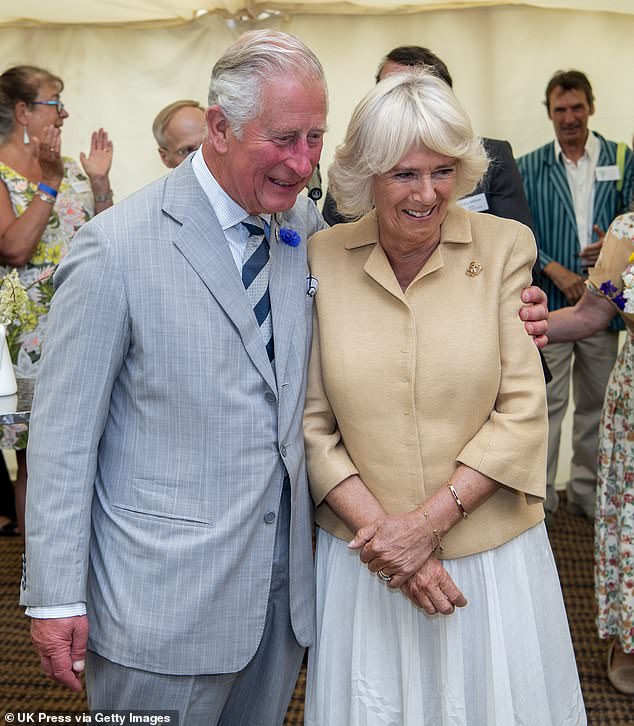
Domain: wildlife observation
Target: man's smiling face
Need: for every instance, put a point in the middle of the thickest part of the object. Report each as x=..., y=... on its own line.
x=268, y=165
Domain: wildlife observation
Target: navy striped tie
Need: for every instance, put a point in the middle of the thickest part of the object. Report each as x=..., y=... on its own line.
x=256, y=270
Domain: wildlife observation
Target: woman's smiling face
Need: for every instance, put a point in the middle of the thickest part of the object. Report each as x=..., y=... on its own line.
x=411, y=199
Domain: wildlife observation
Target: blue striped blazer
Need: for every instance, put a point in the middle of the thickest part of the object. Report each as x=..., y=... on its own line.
x=550, y=202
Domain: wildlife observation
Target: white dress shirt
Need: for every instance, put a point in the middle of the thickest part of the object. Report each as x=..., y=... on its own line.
x=230, y=214
x=580, y=176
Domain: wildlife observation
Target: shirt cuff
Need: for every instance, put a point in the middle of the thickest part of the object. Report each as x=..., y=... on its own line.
x=56, y=611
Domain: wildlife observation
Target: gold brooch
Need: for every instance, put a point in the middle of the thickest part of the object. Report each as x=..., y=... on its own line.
x=473, y=268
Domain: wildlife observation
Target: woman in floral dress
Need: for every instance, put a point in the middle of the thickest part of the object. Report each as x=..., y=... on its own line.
x=44, y=199
x=610, y=289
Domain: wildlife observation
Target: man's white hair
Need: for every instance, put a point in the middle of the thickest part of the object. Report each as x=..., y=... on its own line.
x=255, y=57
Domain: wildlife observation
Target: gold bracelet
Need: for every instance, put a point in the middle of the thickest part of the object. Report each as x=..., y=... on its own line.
x=456, y=499
x=107, y=197
x=433, y=533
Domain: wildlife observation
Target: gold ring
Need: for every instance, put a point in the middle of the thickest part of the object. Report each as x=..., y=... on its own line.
x=383, y=576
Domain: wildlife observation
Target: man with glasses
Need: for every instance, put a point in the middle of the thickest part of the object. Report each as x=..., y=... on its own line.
x=179, y=130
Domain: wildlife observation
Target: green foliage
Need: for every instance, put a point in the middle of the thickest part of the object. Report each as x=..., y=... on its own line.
x=15, y=304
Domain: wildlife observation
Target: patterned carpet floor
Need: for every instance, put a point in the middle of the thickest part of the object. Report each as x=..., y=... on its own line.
x=24, y=688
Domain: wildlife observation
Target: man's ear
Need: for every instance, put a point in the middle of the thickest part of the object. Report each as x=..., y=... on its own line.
x=163, y=155
x=218, y=129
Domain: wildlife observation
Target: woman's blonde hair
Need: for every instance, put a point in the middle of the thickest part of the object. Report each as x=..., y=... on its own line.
x=402, y=112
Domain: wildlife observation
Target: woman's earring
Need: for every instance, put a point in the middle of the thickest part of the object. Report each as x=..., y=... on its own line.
x=25, y=136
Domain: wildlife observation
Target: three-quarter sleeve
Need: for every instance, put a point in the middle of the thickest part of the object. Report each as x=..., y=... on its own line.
x=510, y=446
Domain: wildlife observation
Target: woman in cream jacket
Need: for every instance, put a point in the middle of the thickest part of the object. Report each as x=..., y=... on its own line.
x=425, y=430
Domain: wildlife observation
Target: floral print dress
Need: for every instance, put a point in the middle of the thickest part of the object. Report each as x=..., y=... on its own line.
x=613, y=278
x=74, y=206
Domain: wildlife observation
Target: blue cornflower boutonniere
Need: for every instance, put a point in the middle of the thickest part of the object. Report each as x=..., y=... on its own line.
x=290, y=236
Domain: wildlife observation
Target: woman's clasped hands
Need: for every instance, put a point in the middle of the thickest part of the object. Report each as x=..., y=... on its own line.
x=400, y=549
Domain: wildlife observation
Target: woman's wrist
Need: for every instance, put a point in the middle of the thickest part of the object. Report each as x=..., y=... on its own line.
x=431, y=526
x=53, y=182
x=100, y=185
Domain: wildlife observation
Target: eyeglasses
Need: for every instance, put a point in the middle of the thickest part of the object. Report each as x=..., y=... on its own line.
x=58, y=104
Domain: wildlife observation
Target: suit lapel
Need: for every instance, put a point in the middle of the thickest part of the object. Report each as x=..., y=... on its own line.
x=602, y=190
x=203, y=244
x=559, y=181
x=287, y=289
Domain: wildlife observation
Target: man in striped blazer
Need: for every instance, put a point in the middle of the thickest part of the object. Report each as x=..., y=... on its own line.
x=575, y=186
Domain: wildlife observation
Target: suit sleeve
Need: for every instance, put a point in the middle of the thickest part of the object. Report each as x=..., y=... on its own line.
x=527, y=166
x=511, y=446
x=85, y=348
x=331, y=213
x=505, y=189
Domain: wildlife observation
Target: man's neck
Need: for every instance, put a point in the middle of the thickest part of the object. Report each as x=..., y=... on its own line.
x=575, y=150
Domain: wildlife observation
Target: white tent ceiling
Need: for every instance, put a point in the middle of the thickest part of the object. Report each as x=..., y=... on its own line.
x=178, y=11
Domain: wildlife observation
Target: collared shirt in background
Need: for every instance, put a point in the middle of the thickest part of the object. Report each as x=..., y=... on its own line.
x=580, y=175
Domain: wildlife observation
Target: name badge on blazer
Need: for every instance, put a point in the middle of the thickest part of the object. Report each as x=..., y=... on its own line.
x=312, y=285
x=607, y=173
x=475, y=203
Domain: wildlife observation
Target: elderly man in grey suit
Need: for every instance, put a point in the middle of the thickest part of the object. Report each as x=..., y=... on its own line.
x=167, y=489
x=181, y=323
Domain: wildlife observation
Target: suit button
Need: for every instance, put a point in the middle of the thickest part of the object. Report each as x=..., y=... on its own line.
x=283, y=449
x=270, y=396
x=269, y=517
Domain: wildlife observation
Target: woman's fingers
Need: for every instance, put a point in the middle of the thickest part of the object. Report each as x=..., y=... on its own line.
x=433, y=589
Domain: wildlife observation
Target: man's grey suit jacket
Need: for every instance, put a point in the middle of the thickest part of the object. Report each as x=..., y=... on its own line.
x=160, y=436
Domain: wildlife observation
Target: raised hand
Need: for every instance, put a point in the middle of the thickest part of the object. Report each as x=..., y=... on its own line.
x=99, y=160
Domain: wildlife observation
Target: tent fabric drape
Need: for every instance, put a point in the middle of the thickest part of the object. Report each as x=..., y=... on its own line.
x=177, y=11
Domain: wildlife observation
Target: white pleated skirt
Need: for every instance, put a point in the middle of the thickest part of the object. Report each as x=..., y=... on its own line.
x=506, y=659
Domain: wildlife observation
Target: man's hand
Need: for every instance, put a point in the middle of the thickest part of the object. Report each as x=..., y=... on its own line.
x=590, y=253
x=432, y=589
x=398, y=544
x=61, y=643
x=534, y=313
